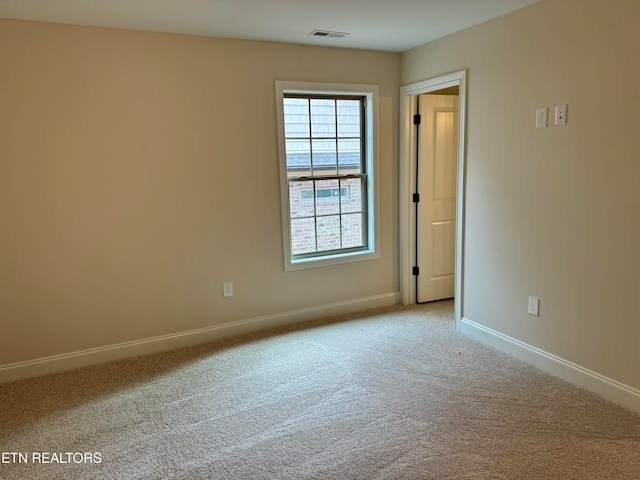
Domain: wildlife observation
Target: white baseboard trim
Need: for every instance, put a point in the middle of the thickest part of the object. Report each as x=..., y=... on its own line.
x=612, y=390
x=108, y=353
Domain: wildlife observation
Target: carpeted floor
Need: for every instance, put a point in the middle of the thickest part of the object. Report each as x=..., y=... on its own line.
x=394, y=393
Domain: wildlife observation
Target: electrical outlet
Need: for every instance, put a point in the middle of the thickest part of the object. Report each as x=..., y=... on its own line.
x=227, y=289
x=534, y=306
x=541, y=117
x=561, y=115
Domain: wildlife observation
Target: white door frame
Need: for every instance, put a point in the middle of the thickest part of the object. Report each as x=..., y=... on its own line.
x=408, y=108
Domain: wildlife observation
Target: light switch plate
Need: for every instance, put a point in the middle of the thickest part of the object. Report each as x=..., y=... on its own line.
x=541, y=117
x=534, y=305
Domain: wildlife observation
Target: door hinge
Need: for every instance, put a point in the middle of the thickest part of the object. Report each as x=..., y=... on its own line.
x=416, y=119
x=416, y=198
x=416, y=271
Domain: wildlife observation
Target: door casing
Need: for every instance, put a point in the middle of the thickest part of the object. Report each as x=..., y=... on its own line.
x=408, y=108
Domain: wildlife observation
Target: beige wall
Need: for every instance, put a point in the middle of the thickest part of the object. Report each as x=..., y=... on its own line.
x=138, y=171
x=552, y=213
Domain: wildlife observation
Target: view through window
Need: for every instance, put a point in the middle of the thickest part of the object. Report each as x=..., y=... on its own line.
x=326, y=173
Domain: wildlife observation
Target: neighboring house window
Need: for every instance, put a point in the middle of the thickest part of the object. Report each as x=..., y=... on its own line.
x=327, y=164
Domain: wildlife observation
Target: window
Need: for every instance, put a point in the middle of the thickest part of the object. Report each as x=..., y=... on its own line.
x=324, y=193
x=327, y=173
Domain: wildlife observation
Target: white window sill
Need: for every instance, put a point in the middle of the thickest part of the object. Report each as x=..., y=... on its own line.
x=327, y=260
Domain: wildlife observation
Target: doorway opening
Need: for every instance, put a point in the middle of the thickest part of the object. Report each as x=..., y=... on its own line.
x=432, y=212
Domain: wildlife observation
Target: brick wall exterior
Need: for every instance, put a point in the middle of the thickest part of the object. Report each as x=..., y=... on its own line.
x=340, y=217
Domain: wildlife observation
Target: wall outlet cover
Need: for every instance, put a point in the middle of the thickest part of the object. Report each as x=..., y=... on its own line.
x=534, y=306
x=541, y=117
x=561, y=115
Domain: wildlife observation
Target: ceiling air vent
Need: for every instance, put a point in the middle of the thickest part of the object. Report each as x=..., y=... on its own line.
x=327, y=33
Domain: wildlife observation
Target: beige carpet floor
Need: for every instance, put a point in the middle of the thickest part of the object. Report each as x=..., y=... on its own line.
x=381, y=395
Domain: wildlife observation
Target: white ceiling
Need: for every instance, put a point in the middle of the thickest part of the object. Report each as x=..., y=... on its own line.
x=391, y=25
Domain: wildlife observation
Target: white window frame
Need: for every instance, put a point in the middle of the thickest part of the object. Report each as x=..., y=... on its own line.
x=370, y=92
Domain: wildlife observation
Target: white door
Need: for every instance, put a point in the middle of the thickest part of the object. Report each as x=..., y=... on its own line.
x=436, y=214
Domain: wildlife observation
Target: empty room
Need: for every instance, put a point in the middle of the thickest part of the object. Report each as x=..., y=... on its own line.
x=274, y=239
